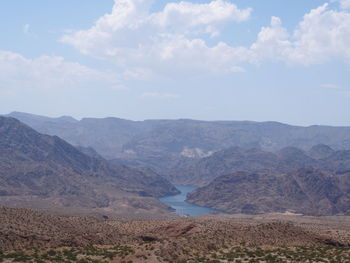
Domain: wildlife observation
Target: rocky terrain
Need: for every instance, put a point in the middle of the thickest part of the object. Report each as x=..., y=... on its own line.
x=163, y=145
x=29, y=236
x=238, y=180
x=202, y=171
x=41, y=171
x=306, y=191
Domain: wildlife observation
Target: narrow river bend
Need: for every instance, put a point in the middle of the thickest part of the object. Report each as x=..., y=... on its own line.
x=181, y=206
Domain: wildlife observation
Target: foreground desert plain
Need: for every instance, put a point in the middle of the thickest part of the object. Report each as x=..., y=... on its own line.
x=32, y=236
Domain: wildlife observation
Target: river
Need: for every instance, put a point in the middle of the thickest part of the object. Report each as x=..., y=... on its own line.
x=181, y=206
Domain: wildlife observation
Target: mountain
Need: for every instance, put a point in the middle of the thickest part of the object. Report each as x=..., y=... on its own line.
x=107, y=136
x=90, y=152
x=202, y=171
x=338, y=162
x=292, y=157
x=320, y=151
x=163, y=145
x=253, y=181
x=306, y=191
x=44, y=171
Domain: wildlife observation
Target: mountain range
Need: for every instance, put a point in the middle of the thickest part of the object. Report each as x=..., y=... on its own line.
x=43, y=171
x=240, y=167
x=163, y=145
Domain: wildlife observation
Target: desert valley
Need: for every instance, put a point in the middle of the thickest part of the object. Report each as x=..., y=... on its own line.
x=175, y=131
x=92, y=191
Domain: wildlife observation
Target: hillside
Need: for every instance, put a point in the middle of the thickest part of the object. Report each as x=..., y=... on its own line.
x=53, y=238
x=202, y=171
x=44, y=171
x=306, y=191
x=166, y=144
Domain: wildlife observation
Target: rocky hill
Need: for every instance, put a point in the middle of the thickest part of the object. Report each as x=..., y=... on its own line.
x=37, y=236
x=44, y=171
x=202, y=171
x=166, y=144
x=320, y=151
x=306, y=191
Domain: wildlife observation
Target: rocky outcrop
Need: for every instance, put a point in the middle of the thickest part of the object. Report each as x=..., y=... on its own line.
x=307, y=191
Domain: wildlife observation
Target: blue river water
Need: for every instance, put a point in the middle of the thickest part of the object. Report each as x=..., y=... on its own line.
x=181, y=206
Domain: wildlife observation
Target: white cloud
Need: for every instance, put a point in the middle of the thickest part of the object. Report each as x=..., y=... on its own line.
x=186, y=16
x=139, y=73
x=175, y=40
x=322, y=35
x=237, y=69
x=272, y=42
x=46, y=72
x=171, y=40
x=120, y=87
x=330, y=86
x=345, y=4
x=158, y=95
x=26, y=28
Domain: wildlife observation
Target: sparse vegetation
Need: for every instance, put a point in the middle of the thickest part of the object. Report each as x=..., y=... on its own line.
x=89, y=254
x=95, y=254
x=34, y=237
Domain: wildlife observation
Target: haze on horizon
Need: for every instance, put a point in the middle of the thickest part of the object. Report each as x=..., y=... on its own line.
x=208, y=59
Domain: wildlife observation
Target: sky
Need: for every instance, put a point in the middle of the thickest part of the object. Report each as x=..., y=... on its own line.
x=270, y=60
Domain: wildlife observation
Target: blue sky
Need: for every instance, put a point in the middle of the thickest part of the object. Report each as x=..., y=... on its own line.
x=284, y=61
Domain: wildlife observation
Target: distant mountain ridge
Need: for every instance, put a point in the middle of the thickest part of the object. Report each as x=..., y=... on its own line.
x=39, y=170
x=163, y=145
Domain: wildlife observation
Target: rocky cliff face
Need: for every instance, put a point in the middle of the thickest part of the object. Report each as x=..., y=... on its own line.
x=307, y=191
x=41, y=170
